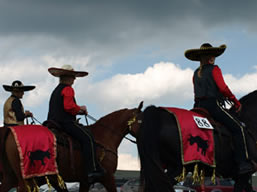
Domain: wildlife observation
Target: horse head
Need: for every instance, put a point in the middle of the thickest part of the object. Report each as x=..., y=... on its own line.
x=135, y=122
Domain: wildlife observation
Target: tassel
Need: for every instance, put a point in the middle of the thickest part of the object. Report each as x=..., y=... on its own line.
x=28, y=187
x=102, y=156
x=48, y=183
x=61, y=182
x=213, y=178
x=195, y=174
x=36, y=187
x=182, y=176
x=202, y=177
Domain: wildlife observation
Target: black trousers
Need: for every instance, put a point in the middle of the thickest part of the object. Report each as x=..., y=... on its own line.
x=218, y=113
x=86, y=140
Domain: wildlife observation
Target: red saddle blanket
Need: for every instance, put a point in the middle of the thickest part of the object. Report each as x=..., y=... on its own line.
x=197, y=144
x=37, y=150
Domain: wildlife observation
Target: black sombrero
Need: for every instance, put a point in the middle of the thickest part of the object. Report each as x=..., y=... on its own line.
x=205, y=49
x=18, y=86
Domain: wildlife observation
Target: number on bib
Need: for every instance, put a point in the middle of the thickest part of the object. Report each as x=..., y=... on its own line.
x=202, y=122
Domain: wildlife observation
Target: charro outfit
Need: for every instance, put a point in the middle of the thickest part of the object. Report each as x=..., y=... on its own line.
x=63, y=110
x=210, y=92
x=13, y=108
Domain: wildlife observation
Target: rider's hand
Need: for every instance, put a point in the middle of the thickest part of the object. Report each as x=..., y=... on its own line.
x=238, y=109
x=28, y=114
x=83, y=110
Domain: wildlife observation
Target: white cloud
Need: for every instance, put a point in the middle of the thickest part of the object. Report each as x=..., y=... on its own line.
x=128, y=162
x=242, y=85
x=163, y=81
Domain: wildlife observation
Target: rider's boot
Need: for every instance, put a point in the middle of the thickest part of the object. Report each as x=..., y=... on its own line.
x=97, y=174
x=244, y=165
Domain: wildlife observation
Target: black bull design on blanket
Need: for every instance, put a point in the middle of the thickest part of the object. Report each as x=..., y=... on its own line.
x=38, y=155
x=201, y=143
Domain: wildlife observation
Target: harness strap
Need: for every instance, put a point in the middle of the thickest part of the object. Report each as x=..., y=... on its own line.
x=99, y=144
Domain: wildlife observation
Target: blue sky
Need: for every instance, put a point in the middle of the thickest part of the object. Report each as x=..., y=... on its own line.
x=132, y=49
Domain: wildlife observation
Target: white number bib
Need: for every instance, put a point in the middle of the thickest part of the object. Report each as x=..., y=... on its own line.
x=202, y=122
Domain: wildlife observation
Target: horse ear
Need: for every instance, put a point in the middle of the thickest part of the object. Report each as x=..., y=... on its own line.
x=140, y=106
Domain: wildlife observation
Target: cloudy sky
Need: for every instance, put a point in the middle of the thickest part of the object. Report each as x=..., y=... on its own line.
x=132, y=49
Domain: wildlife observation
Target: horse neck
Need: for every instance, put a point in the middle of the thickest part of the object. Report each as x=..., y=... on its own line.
x=248, y=116
x=249, y=110
x=109, y=132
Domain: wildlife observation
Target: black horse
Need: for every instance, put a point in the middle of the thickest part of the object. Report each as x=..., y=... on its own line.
x=158, y=144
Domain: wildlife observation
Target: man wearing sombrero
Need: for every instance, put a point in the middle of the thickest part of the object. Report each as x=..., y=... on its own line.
x=210, y=92
x=63, y=110
x=14, y=113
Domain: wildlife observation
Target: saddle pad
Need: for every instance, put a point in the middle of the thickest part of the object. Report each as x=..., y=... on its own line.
x=197, y=145
x=37, y=150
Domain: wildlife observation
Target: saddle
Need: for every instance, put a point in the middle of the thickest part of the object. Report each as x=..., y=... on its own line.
x=63, y=139
x=219, y=127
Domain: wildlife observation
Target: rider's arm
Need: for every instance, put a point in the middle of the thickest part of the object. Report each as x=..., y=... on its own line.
x=69, y=103
x=223, y=88
x=18, y=110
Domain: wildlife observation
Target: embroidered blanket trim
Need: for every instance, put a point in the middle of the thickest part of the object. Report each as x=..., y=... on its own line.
x=197, y=145
x=36, y=145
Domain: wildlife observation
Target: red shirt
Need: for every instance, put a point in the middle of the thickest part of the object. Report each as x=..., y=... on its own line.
x=223, y=88
x=69, y=103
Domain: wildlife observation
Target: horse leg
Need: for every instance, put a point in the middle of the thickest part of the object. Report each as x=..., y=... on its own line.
x=54, y=182
x=14, y=162
x=9, y=180
x=6, y=185
x=83, y=187
x=109, y=182
x=242, y=183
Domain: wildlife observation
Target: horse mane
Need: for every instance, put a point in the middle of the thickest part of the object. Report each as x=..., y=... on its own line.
x=249, y=106
x=110, y=117
x=107, y=120
x=249, y=98
x=249, y=109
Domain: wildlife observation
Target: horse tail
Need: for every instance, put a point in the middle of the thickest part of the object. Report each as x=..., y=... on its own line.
x=148, y=143
x=4, y=131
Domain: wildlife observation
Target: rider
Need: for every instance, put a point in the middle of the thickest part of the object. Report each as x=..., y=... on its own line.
x=63, y=110
x=14, y=113
x=210, y=92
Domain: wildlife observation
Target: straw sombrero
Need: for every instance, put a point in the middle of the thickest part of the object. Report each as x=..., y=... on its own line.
x=66, y=70
x=18, y=86
x=205, y=49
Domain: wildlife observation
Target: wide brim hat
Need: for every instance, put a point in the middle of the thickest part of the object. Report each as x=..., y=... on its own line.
x=205, y=49
x=66, y=70
x=18, y=86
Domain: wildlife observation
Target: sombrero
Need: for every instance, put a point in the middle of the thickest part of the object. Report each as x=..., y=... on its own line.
x=205, y=49
x=66, y=70
x=18, y=86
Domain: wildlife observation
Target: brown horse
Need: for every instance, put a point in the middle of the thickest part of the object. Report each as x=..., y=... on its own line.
x=158, y=144
x=108, y=133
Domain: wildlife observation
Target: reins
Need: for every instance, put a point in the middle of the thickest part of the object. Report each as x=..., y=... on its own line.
x=33, y=119
x=129, y=124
